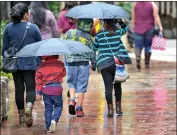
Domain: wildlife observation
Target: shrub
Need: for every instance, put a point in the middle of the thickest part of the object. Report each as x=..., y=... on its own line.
x=3, y=24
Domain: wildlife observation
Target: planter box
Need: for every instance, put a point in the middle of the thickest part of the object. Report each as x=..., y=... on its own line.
x=4, y=98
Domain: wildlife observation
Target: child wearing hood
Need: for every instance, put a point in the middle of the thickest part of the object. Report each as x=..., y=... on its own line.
x=49, y=77
x=78, y=68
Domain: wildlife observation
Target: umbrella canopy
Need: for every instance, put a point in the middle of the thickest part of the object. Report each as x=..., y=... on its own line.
x=53, y=46
x=98, y=10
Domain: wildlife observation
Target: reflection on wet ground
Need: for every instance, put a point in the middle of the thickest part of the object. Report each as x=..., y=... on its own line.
x=149, y=107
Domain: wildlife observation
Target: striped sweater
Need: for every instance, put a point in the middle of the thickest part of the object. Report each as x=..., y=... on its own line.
x=49, y=77
x=105, y=42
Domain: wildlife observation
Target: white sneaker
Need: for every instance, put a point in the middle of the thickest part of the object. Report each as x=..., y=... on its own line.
x=48, y=132
x=53, y=126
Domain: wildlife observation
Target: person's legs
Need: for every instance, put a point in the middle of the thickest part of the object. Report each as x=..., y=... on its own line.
x=19, y=94
x=147, y=57
x=58, y=107
x=29, y=78
x=118, y=96
x=139, y=44
x=108, y=77
x=138, y=57
x=71, y=81
x=48, y=110
x=81, y=87
x=148, y=50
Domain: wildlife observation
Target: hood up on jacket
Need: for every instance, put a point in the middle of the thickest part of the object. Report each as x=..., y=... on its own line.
x=84, y=24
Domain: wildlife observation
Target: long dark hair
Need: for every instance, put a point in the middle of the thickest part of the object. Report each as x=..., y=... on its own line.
x=110, y=25
x=18, y=11
x=69, y=5
x=38, y=12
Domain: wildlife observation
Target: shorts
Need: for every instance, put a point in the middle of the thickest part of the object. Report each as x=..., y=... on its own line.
x=77, y=77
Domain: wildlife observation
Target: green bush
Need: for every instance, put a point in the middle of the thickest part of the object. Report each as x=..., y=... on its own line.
x=127, y=6
x=54, y=6
x=3, y=24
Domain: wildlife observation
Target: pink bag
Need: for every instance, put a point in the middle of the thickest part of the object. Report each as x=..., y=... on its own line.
x=159, y=43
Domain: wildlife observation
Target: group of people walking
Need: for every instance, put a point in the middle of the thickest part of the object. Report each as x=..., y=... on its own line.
x=45, y=74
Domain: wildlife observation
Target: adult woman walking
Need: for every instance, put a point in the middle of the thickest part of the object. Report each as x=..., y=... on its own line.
x=143, y=26
x=44, y=19
x=24, y=77
x=107, y=42
x=65, y=23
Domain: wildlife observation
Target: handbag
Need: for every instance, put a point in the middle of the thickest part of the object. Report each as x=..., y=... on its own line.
x=121, y=75
x=159, y=42
x=10, y=62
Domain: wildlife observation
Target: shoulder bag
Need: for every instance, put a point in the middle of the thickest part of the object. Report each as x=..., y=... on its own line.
x=121, y=75
x=10, y=62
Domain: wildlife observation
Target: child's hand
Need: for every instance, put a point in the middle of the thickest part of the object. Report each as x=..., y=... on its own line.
x=38, y=97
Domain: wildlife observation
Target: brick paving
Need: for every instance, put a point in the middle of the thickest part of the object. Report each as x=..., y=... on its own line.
x=148, y=103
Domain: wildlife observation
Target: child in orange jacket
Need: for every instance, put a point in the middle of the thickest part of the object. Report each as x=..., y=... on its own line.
x=49, y=77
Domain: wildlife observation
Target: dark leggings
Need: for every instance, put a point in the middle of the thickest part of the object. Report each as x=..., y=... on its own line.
x=108, y=77
x=22, y=79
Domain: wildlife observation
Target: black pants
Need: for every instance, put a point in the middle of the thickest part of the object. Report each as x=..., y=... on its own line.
x=108, y=77
x=24, y=79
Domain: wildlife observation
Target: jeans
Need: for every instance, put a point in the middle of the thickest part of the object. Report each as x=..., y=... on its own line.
x=24, y=79
x=53, y=108
x=144, y=40
x=108, y=75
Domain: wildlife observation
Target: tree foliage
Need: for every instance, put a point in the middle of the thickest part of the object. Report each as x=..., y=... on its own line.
x=126, y=5
x=3, y=24
x=54, y=6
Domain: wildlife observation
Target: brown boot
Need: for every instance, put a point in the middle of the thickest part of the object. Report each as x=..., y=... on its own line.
x=28, y=114
x=21, y=116
x=118, y=108
x=110, y=110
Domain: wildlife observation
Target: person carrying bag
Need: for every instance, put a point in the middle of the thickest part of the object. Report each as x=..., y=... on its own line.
x=111, y=58
x=121, y=75
x=10, y=61
x=16, y=35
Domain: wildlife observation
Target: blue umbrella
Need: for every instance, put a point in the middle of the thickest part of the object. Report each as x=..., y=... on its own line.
x=98, y=10
x=53, y=46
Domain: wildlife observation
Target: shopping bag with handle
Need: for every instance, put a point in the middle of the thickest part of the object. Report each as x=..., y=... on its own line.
x=159, y=42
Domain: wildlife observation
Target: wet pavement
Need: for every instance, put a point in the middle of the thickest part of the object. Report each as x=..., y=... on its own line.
x=148, y=103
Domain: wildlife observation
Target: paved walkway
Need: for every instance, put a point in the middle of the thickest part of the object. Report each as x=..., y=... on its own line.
x=149, y=107
x=167, y=55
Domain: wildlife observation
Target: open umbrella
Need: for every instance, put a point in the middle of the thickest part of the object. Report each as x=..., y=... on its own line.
x=53, y=46
x=98, y=10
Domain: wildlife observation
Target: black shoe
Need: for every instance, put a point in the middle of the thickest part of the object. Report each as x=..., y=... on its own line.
x=68, y=94
x=71, y=107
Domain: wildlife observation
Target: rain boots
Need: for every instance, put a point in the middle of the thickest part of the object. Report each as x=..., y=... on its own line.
x=21, y=116
x=28, y=114
x=147, y=60
x=138, y=58
x=118, y=108
x=110, y=110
